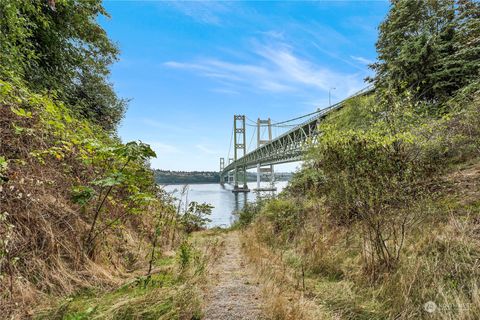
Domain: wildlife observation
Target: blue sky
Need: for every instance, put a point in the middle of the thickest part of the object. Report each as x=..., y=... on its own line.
x=190, y=66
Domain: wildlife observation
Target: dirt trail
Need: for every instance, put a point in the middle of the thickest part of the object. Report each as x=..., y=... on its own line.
x=235, y=293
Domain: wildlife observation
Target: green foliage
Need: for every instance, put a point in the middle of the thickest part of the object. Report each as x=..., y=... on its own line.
x=64, y=50
x=114, y=179
x=3, y=164
x=284, y=216
x=118, y=175
x=429, y=47
x=348, y=160
x=195, y=218
x=48, y=152
x=248, y=213
x=135, y=151
x=358, y=113
x=308, y=180
x=3, y=168
x=21, y=112
x=82, y=194
x=184, y=255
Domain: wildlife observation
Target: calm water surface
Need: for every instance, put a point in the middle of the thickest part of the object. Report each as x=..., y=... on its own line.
x=225, y=202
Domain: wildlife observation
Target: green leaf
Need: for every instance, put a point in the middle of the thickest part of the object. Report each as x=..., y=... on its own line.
x=113, y=180
x=3, y=164
x=21, y=112
x=82, y=194
x=134, y=150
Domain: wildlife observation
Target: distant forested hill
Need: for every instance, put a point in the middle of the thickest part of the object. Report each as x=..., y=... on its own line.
x=166, y=177
x=190, y=177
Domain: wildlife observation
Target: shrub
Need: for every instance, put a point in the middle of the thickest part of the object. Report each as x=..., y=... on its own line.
x=371, y=172
x=195, y=217
x=248, y=213
x=284, y=217
x=69, y=189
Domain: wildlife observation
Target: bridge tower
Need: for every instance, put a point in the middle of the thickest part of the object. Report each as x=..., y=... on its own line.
x=240, y=149
x=222, y=166
x=260, y=142
x=230, y=173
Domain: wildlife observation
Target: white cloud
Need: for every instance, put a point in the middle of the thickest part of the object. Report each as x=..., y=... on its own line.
x=162, y=125
x=362, y=60
x=206, y=149
x=276, y=69
x=273, y=34
x=163, y=148
x=233, y=73
x=208, y=12
x=225, y=91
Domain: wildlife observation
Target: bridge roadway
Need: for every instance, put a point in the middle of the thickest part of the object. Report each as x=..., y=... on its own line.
x=290, y=146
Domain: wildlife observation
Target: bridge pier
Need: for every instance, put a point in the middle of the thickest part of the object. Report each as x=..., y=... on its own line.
x=241, y=188
x=238, y=189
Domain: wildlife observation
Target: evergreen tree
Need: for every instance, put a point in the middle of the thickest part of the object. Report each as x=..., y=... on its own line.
x=429, y=47
x=459, y=67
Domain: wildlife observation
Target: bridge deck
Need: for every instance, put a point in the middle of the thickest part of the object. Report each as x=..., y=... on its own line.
x=290, y=146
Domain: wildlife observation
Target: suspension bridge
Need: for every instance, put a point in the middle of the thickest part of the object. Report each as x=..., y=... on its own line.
x=289, y=146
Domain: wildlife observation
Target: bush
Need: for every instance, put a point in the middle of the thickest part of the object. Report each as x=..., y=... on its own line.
x=69, y=193
x=195, y=217
x=248, y=213
x=284, y=217
x=372, y=174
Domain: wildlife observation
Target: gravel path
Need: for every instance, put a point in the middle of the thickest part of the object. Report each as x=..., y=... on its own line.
x=235, y=293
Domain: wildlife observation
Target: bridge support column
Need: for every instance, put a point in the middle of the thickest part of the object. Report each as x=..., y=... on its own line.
x=230, y=173
x=222, y=166
x=240, y=150
x=258, y=176
x=265, y=169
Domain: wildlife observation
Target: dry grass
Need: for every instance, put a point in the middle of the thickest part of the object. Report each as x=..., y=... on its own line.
x=174, y=290
x=42, y=250
x=282, y=294
x=440, y=262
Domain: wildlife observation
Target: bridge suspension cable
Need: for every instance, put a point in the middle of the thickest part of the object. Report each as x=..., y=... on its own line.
x=251, y=140
x=284, y=123
x=230, y=147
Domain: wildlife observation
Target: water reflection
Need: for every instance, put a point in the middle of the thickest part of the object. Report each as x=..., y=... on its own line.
x=240, y=200
x=225, y=202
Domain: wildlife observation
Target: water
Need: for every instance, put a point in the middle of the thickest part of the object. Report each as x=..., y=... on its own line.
x=225, y=202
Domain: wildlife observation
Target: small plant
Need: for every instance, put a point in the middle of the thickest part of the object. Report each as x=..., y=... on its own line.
x=195, y=217
x=82, y=195
x=185, y=255
x=3, y=169
x=165, y=211
x=248, y=213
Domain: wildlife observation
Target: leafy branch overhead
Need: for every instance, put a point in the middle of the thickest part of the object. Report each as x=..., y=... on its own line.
x=59, y=47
